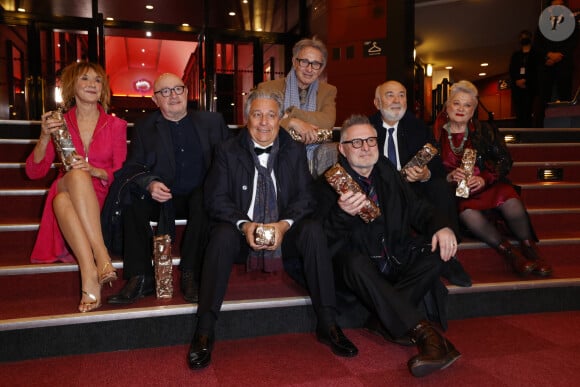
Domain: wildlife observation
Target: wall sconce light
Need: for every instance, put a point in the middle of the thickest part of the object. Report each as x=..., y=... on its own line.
x=429, y=70
x=550, y=174
x=510, y=138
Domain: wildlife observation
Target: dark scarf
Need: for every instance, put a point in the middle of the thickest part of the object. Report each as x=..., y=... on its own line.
x=265, y=211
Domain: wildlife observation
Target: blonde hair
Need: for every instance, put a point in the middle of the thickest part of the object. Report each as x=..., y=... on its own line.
x=463, y=87
x=70, y=76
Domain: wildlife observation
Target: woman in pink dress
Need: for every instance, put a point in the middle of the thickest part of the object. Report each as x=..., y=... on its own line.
x=456, y=130
x=72, y=209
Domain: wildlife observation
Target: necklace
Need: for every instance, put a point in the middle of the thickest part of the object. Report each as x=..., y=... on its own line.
x=457, y=150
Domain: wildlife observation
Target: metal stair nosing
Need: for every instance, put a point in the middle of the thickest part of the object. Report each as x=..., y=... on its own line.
x=148, y=312
x=248, y=304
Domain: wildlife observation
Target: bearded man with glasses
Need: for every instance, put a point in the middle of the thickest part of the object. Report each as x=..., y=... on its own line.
x=394, y=261
x=169, y=155
x=309, y=103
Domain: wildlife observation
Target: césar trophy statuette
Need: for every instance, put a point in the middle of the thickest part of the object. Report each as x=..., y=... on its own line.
x=63, y=142
x=421, y=158
x=163, y=266
x=467, y=164
x=322, y=135
x=265, y=235
x=342, y=182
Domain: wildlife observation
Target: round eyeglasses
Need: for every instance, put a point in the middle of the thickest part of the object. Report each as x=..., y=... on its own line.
x=358, y=142
x=166, y=92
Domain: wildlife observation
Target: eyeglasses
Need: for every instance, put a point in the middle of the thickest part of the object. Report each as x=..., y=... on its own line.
x=166, y=92
x=358, y=142
x=304, y=63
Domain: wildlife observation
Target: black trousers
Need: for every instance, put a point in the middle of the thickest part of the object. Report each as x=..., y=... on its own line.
x=396, y=301
x=138, y=236
x=440, y=195
x=304, y=247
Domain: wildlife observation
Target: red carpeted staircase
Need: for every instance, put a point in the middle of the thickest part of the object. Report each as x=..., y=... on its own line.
x=38, y=307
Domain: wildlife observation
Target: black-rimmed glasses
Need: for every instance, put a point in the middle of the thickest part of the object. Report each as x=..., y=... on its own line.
x=358, y=142
x=304, y=63
x=166, y=92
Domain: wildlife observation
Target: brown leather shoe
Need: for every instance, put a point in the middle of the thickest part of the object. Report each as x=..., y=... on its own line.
x=530, y=251
x=517, y=261
x=435, y=351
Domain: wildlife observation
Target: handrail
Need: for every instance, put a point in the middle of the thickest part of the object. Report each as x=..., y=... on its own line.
x=485, y=109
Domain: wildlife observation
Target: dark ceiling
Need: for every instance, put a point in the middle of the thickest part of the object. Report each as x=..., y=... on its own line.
x=459, y=33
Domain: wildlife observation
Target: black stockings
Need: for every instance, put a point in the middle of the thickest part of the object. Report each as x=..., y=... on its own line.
x=513, y=212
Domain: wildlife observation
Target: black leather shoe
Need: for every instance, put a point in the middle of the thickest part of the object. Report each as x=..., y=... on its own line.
x=137, y=287
x=337, y=341
x=189, y=287
x=374, y=326
x=454, y=272
x=199, y=355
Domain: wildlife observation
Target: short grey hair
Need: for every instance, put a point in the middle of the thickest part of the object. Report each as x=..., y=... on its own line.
x=314, y=43
x=355, y=119
x=260, y=94
x=463, y=87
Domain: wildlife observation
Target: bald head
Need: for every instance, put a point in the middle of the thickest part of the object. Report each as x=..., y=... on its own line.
x=173, y=106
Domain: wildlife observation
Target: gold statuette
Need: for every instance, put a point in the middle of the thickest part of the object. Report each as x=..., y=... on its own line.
x=322, y=135
x=163, y=266
x=342, y=182
x=422, y=158
x=265, y=235
x=467, y=164
x=63, y=142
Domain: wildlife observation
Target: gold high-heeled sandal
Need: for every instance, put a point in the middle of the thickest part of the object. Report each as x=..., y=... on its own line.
x=89, y=306
x=107, y=276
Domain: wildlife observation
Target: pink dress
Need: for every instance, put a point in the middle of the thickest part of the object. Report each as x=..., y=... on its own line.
x=495, y=192
x=107, y=150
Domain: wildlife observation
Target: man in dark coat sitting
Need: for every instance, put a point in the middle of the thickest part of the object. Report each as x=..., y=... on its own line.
x=259, y=180
x=384, y=262
x=400, y=136
x=173, y=149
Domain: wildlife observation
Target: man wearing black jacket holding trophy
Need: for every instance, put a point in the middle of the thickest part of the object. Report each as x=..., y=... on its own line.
x=400, y=136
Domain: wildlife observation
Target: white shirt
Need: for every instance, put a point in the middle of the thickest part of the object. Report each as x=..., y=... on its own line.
x=263, y=159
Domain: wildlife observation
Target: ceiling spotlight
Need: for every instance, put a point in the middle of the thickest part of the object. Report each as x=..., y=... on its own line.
x=484, y=64
x=482, y=74
x=185, y=24
x=448, y=67
x=232, y=13
x=110, y=18
x=21, y=10
x=148, y=34
x=149, y=6
x=148, y=21
x=245, y=1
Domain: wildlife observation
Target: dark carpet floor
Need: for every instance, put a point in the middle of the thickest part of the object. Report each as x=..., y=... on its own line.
x=521, y=350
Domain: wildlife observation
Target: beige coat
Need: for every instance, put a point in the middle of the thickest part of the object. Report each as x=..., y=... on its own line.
x=325, y=115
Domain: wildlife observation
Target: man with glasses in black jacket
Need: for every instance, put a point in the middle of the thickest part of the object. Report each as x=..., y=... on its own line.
x=173, y=148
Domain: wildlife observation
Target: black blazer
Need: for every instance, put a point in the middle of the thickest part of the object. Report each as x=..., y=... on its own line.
x=412, y=134
x=151, y=145
x=229, y=184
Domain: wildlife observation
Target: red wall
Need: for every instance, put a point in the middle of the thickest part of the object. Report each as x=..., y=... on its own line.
x=350, y=24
